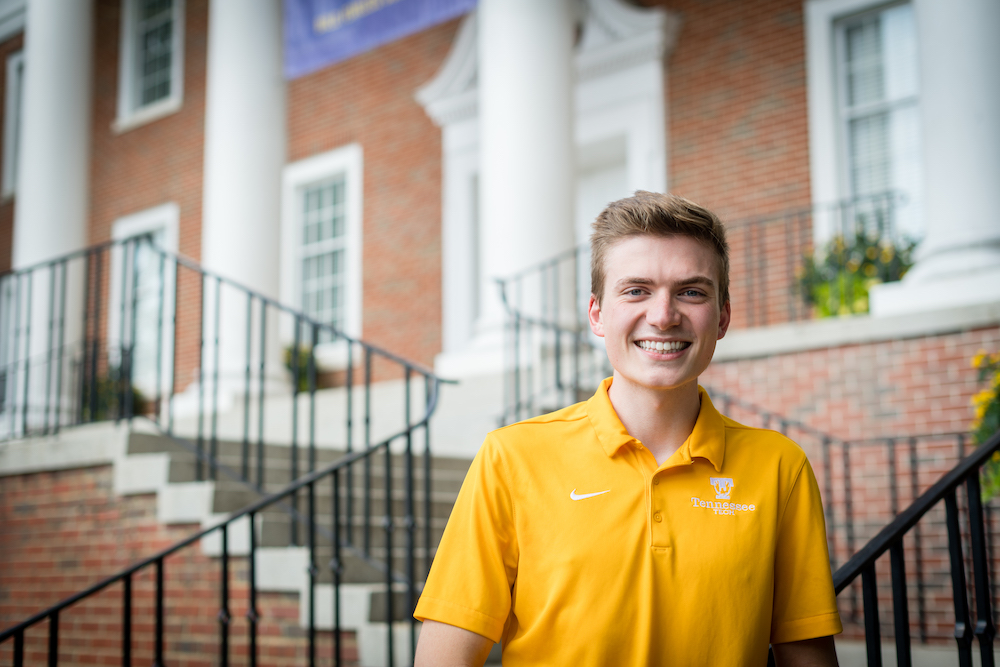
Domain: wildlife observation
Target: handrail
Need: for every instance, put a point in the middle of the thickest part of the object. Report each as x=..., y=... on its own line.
x=37, y=366
x=909, y=517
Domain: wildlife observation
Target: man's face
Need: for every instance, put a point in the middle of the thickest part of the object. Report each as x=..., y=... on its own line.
x=660, y=314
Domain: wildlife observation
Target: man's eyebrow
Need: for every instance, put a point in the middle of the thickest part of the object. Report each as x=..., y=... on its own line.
x=633, y=281
x=695, y=280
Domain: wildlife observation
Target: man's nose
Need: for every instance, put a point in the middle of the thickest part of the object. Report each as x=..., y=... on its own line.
x=663, y=312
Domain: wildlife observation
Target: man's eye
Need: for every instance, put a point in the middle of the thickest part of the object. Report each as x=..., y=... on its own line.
x=692, y=292
x=635, y=291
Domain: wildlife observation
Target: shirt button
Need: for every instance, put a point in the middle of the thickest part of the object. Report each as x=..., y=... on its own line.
x=657, y=518
x=656, y=482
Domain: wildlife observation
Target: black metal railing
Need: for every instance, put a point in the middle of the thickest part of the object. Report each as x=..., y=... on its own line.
x=976, y=542
x=257, y=393
x=335, y=537
x=552, y=362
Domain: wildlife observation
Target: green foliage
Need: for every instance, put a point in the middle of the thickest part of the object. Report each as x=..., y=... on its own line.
x=837, y=280
x=305, y=352
x=986, y=421
x=109, y=391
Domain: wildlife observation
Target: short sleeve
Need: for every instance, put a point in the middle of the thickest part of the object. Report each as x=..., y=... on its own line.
x=469, y=585
x=805, y=606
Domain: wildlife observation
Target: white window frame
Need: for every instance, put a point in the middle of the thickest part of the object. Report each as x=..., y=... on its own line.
x=165, y=217
x=129, y=115
x=827, y=143
x=347, y=161
x=12, y=116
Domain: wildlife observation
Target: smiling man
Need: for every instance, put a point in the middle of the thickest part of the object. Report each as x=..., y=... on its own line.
x=640, y=527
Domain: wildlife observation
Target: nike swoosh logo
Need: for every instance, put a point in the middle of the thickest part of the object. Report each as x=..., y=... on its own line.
x=580, y=496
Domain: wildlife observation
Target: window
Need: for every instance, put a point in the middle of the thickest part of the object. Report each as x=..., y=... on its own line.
x=323, y=249
x=150, y=69
x=12, y=121
x=321, y=243
x=878, y=102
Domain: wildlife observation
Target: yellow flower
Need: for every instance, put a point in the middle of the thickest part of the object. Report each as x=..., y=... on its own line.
x=977, y=360
x=996, y=456
x=870, y=270
x=871, y=252
x=887, y=254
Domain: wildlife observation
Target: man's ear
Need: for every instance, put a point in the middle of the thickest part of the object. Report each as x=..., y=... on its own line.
x=725, y=317
x=594, y=316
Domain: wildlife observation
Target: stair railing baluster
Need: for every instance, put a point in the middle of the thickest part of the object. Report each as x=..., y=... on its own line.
x=158, y=644
x=216, y=334
x=312, y=396
x=335, y=566
x=129, y=398
x=85, y=351
x=49, y=345
x=27, y=355
x=224, y=616
x=260, y=395
x=127, y=621
x=428, y=516
x=828, y=500
x=893, y=485
x=849, y=519
x=19, y=649
x=123, y=284
x=200, y=443
x=313, y=571
x=900, y=606
x=873, y=632
x=61, y=345
x=349, y=427
x=252, y=615
x=963, y=626
x=918, y=546
x=294, y=452
x=98, y=291
x=245, y=448
x=387, y=523
x=410, y=522
x=367, y=519
x=54, y=639
x=173, y=362
x=985, y=629
x=160, y=315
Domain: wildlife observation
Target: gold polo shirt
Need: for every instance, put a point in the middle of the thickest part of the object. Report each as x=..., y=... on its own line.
x=571, y=546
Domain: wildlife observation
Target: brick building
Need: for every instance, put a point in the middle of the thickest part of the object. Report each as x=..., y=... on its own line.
x=384, y=193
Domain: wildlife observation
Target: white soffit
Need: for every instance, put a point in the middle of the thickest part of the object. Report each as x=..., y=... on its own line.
x=616, y=36
x=12, y=15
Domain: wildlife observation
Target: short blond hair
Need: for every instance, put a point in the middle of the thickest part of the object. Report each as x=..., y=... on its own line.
x=655, y=214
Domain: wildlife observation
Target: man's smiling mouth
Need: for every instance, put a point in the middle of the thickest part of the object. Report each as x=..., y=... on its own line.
x=663, y=346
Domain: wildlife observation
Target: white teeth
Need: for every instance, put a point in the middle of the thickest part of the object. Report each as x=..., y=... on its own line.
x=659, y=346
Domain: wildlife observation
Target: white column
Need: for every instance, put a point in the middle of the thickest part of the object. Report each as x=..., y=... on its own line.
x=527, y=164
x=958, y=262
x=244, y=155
x=53, y=178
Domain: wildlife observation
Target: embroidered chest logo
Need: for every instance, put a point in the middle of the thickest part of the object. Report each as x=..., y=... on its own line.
x=723, y=490
x=723, y=486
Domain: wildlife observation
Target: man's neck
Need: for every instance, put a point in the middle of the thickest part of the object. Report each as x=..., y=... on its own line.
x=660, y=419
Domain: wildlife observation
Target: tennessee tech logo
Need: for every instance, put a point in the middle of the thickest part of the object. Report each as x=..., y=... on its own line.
x=723, y=487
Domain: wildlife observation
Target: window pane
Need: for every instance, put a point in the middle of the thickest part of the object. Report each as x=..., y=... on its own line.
x=864, y=62
x=323, y=264
x=154, y=32
x=870, y=154
x=899, y=35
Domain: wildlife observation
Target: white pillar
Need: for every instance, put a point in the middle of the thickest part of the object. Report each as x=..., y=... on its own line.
x=527, y=165
x=50, y=217
x=958, y=262
x=244, y=155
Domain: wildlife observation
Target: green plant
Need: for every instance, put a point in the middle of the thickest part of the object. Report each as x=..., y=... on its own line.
x=104, y=397
x=836, y=281
x=305, y=352
x=986, y=420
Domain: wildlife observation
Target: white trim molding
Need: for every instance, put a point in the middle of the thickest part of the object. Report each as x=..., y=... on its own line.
x=346, y=161
x=130, y=114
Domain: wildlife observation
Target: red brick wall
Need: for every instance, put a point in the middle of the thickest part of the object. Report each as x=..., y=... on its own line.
x=369, y=100
x=64, y=531
x=737, y=133
x=7, y=204
x=155, y=163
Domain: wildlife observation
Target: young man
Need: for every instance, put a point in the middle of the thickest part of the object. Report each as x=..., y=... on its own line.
x=640, y=527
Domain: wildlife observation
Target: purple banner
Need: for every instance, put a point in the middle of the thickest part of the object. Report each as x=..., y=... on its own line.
x=321, y=32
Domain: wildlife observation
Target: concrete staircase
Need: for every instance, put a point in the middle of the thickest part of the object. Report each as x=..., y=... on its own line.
x=146, y=461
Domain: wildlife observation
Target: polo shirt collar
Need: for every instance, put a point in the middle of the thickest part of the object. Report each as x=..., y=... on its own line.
x=707, y=440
